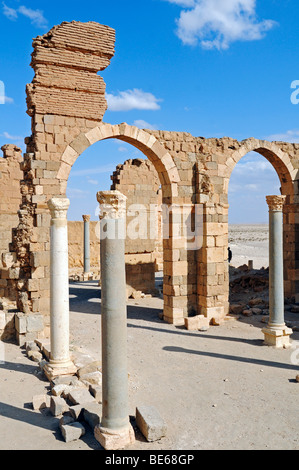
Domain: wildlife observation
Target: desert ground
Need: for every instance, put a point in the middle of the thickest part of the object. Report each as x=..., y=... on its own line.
x=220, y=389
x=249, y=242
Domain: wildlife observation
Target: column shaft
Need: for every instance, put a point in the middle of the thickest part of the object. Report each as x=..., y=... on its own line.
x=115, y=430
x=276, y=333
x=86, y=219
x=276, y=289
x=60, y=363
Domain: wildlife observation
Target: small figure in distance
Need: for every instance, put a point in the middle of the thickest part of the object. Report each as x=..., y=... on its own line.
x=230, y=254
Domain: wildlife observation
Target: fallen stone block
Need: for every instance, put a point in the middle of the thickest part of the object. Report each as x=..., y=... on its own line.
x=96, y=392
x=72, y=432
x=95, y=366
x=92, y=414
x=80, y=396
x=150, y=423
x=256, y=301
x=76, y=411
x=70, y=380
x=237, y=309
x=58, y=406
x=21, y=323
x=247, y=313
x=191, y=323
x=66, y=419
x=61, y=390
x=35, y=356
x=40, y=402
x=94, y=378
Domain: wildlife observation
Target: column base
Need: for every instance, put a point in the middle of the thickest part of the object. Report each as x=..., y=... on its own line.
x=52, y=370
x=114, y=439
x=280, y=338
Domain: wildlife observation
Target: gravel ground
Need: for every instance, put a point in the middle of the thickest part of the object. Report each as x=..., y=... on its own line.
x=217, y=390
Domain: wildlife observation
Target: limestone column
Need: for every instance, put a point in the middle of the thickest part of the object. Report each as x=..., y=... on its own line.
x=59, y=363
x=86, y=219
x=115, y=430
x=276, y=333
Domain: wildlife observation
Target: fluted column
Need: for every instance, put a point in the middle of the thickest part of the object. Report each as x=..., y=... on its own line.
x=60, y=362
x=86, y=219
x=115, y=430
x=276, y=333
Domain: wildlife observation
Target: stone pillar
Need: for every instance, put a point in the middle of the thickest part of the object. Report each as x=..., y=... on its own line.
x=59, y=363
x=276, y=333
x=86, y=219
x=115, y=430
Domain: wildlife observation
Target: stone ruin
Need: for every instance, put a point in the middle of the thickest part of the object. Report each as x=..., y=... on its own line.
x=66, y=104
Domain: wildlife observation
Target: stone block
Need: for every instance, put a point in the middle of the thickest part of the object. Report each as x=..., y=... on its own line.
x=72, y=432
x=35, y=356
x=80, y=396
x=2, y=320
x=92, y=414
x=61, y=390
x=23, y=338
x=76, y=411
x=58, y=406
x=35, y=323
x=65, y=420
x=94, y=378
x=40, y=402
x=191, y=323
x=89, y=368
x=150, y=423
x=96, y=392
x=114, y=440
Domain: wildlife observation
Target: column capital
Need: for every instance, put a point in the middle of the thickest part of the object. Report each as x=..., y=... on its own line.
x=86, y=218
x=112, y=204
x=275, y=203
x=58, y=207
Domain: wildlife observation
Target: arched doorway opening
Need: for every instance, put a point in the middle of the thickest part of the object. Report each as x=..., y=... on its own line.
x=163, y=164
x=248, y=288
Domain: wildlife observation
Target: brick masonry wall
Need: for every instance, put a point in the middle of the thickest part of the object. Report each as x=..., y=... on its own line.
x=191, y=170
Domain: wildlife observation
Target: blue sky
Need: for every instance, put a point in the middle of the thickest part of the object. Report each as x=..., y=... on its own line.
x=213, y=68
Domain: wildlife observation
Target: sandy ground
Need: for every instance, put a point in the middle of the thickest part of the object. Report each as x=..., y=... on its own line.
x=220, y=389
x=249, y=242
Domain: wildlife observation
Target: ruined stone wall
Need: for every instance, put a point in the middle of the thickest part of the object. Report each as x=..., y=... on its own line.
x=76, y=247
x=10, y=176
x=191, y=170
x=138, y=180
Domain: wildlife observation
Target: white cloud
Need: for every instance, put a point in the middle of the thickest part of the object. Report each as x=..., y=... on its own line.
x=288, y=136
x=10, y=13
x=75, y=193
x=90, y=181
x=215, y=24
x=12, y=137
x=132, y=99
x=36, y=16
x=94, y=171
x=144, y=125
x=183, y=3
x=8, y=100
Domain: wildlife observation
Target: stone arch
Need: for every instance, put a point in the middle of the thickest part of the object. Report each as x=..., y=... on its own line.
x=287, y=175
x=147, y=143
x=271, y=151
x=167, y=172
